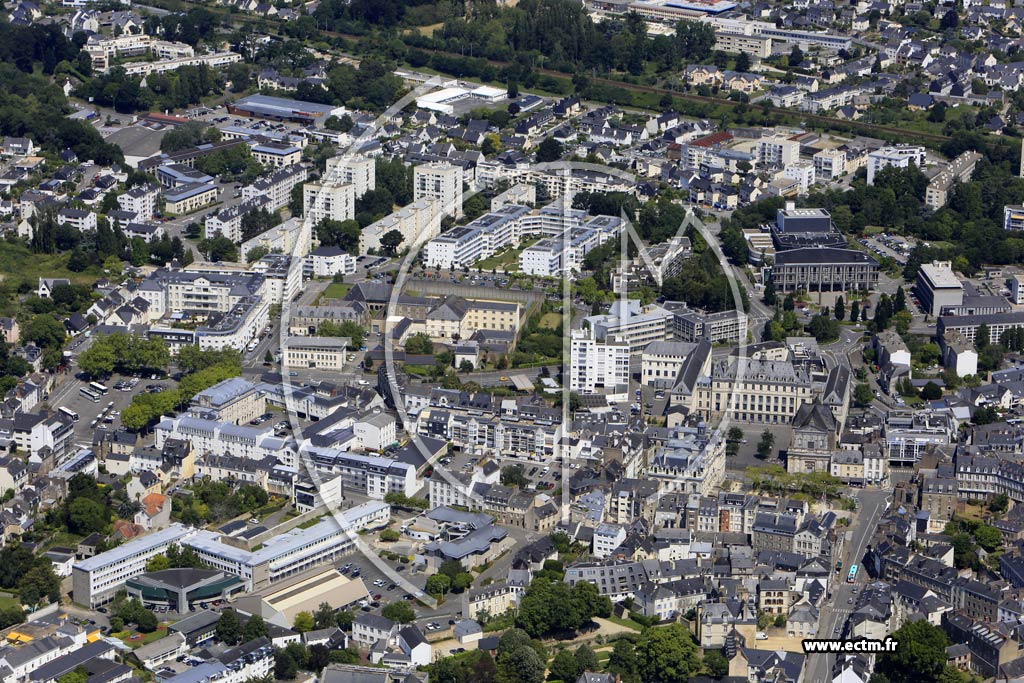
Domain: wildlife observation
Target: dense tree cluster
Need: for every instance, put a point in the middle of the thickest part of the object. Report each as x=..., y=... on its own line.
x=124, y=353
x=550, y=607
x=214, y=501
x=202, y=369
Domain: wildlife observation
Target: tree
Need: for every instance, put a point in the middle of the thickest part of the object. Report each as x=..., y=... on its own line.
x=513, y=90
x=344, y=619
x=522, y=665
x=158, y=563
x=399, y=612
x=228, y=627
x=899, y=301
x=38, y=583
x=349, y=328
x=921, y=655
x=789, y=303
x=254, y=628
x=549, y=149
x=854, y=311
x=743, y=62
x=86, y=516
x=770, y=297
x=931, y=392
x=862, y=395
x=323, y=617
x=44, y=331
x=667, y=654
x=949, y=21
x=390, y=241
x=988, y=537
x=765, y=445
x=341, y=234
x=839, y=312
x=466, y=366
x=716, y=664
x=564, y=667
x=586, y=659
x=623, y=660
x=999, y=503
x=513, y=475
x=303, y=622
x=437, y=585
x=419, y=344
x=285, y=666
x=981, y=338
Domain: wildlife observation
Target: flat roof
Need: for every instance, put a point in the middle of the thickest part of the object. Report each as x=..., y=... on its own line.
x=268, y=103
x=940, y=277
x=173, y=533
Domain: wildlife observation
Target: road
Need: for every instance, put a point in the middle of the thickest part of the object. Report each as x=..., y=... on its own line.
x=834, y=613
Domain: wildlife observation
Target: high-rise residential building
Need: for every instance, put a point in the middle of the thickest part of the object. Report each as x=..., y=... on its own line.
x=442, y=182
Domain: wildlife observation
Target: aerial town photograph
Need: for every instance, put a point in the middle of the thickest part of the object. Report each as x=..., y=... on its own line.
x=511, y=341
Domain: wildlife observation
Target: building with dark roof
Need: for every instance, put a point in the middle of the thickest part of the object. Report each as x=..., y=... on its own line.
x=824, y=269
x=182, y=589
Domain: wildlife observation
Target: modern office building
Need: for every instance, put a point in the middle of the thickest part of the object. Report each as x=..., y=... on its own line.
x=938, y=288
x=292, y=552
x=824, y=269
x=97, y=580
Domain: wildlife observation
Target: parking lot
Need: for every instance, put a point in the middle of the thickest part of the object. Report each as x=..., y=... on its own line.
x=103, y=412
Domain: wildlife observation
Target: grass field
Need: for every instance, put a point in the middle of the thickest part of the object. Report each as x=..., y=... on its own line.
x=551, y=321
x=336, y=290
x=507, y=261
x=626, y=623
x=134, y=639
x=17, y=260
x=9, y=603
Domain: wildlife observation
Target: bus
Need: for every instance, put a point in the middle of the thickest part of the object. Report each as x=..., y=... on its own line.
x=70, y=413
x=98, y=388
x=852, y=577
x=89, y=394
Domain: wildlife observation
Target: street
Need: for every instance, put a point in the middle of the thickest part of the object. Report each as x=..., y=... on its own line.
x=834, y=612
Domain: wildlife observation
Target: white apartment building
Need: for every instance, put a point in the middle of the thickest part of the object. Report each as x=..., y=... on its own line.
x=276, y=154
x=97, y=579
x=634, y=324
x=376, y=431
x=214, y=60
x=355, y=170
x=372, y=476
x=595, y=363
x=607, y=537
x=418, y=222
x=197, y=292
x=543, y=258
x=283, y=282
x=829, y=164
x=330, y=200
x=802, y=172
x=143, y=200
x=326, y=353
x=901, y=156
x=277, y=187
x=442, y=182
x=661, y=362
x=226, y=438
x=229, y=221
x=777, y=150
x=331, y=261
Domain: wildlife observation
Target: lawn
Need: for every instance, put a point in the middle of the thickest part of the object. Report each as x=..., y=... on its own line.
x=134, y=639
x=7, y=602
x=336, y=290
x=17, y=260
x=627, y=623
x=551, y=321
x=507, y=260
